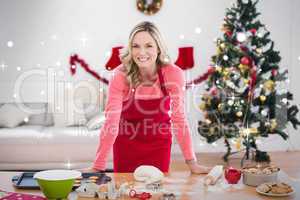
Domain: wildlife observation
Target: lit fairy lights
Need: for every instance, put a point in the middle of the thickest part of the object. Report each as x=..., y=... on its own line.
x=181, y=36
x=54, y=37
x=26, y=119
x=3, y=66
x=83, y=40
x=19, y=68
x=198, y=30
x=10, y=44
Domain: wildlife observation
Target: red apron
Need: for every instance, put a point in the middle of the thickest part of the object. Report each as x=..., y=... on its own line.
x=144, y=136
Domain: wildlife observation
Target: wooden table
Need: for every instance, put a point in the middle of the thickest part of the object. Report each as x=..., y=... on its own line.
x=179, y=180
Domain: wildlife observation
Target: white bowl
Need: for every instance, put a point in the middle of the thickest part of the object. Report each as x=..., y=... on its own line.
x=252, y=179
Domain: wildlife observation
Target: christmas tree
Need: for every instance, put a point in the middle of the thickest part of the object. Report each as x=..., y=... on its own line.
x=243, y=98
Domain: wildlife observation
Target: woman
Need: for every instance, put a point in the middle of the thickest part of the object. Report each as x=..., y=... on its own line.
x=145, y=94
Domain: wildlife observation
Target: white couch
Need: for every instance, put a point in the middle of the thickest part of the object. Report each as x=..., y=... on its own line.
x=34, y=135
x=39, y=144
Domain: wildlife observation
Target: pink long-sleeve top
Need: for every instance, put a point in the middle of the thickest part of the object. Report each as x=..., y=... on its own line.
x=119, y=90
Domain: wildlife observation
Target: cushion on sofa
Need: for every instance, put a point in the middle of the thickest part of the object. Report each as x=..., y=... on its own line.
x=11, y=115
x=39, y=114
x=96, y=122
x=68, y=114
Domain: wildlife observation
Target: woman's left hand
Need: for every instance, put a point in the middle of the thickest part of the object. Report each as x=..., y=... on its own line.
x=198, y=169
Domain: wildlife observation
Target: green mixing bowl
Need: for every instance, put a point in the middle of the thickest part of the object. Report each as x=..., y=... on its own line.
x=56, y=184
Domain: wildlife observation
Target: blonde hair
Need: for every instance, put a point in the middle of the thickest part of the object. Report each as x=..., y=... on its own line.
x=131, y=68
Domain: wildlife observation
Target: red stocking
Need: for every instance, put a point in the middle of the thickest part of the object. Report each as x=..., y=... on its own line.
x=114, y=59
x=185, y=58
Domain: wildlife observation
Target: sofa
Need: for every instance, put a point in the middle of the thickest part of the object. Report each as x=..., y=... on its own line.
x=62, y=132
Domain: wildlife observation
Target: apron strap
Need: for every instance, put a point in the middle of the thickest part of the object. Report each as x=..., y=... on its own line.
x=162, y=82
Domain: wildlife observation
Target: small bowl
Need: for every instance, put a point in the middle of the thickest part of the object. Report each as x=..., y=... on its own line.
x=56, y=184
x=254, y=179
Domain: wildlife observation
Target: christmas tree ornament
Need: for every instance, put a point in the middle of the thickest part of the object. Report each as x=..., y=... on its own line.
x=284, y=100
x=208, y=121
x=273, y=124
x=260, y=35
x=259, y=51
x=226, y=72
x=230, y=102
x=114, y=60
x=269, y=85
x=219, y=69
x=213, y=91
x=264, y=112
x=202, y=106
x=185, y=59
x=253, y=31
x=220, y=107
x=219, y=51
x=225, y=57
x=239, y=114
x=241, y=37
x=262, y=98
x=243, y=68
x=246, y=81
x=228, y=33
x=222, y=45
x=245, y=60
x=274, y=72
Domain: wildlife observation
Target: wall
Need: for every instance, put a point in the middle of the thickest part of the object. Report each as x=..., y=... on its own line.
x=46, y=33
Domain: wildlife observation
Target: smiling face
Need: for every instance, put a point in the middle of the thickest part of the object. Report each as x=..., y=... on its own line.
x=144, y=50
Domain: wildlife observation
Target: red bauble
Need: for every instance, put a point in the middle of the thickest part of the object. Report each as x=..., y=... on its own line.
x=253, y=31
x=213, y=91
x=274, y=72
x=245, y=60
x=228, y=33
x=244, y=49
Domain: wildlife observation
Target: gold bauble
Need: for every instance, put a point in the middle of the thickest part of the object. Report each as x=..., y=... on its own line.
x=243, y=68
x=239, y=113
x=226, y=72
x=262, y=98
x=219, y=50
x=219, y=69
x=269, y=85
x=202, y=106
x=273, y=124
x=222, y=45
x=259, y=50
x=208, y=121
x=220, y=107
x=246, y=81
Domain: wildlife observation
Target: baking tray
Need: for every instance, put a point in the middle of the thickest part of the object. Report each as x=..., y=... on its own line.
x=26, y=180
